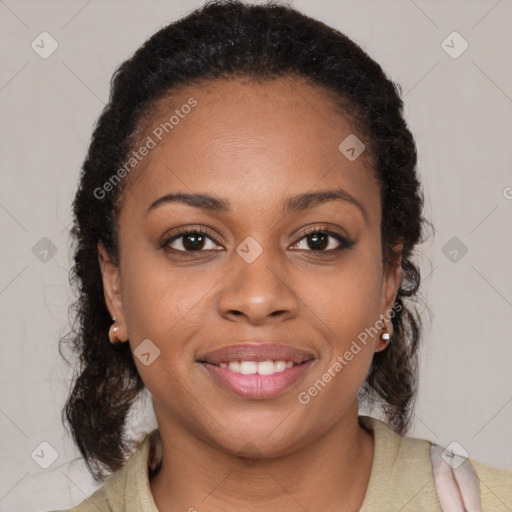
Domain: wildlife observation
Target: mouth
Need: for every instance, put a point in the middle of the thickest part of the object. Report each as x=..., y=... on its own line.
x=257, y=371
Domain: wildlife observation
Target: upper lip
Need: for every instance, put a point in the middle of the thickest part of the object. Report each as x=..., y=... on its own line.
x=256, y=352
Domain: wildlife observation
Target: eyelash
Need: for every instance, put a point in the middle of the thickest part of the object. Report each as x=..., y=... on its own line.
x=344, y=242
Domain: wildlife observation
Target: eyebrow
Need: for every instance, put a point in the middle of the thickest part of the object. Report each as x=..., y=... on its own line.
x=292, y=204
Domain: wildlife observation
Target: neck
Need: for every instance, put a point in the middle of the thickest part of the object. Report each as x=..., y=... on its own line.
x=330, y=473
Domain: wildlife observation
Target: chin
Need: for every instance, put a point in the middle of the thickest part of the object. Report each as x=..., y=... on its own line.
x=260, y=435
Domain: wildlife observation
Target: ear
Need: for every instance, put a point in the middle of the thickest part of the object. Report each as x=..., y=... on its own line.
x=111, y=277
x=391, y=281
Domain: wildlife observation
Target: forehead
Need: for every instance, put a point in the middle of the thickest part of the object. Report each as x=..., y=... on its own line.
x=251, y=142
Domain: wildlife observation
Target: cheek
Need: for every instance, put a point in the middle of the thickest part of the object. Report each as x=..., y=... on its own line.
x=163, y=303
x=166, y=306
x=344, y=305
x=346, y=299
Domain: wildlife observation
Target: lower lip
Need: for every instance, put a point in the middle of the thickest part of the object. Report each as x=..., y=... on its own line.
x=258, y=386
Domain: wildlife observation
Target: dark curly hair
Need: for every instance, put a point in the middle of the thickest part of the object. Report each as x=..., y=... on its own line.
x=230, y=39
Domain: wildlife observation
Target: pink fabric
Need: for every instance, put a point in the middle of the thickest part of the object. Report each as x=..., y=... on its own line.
x=458, y=489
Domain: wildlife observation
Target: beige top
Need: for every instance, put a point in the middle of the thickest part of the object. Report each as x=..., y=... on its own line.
x=401, y=478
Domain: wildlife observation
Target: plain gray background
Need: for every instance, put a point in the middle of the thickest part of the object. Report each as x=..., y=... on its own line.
x=459, y=110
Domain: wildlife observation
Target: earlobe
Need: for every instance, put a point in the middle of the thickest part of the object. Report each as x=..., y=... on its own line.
x=391, y=285
x=110, y=275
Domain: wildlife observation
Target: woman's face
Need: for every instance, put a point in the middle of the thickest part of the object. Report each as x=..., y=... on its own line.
x=254, y=277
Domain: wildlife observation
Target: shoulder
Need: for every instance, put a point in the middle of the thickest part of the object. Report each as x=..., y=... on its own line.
x=495, y=486
x=403, y=474
x=127, y=485
x=97, y=502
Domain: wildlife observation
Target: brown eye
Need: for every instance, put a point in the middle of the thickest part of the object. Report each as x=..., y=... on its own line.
x=323, y=240
x=195, y=240
x=318, y=241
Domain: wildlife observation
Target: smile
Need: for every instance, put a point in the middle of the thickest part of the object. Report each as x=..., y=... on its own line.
x=257, y=371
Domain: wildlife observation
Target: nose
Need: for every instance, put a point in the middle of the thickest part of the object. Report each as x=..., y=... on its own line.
x=258, y=292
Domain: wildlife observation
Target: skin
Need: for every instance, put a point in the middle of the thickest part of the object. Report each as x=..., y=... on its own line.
x=253, y=145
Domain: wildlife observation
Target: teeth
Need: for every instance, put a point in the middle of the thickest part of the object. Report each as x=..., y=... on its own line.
x=261, y=367
x=234, y=366
x=281, y=365
x=248, y=367
x=266, y=367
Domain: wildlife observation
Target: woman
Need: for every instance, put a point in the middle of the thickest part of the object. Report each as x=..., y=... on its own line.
x=245, y=228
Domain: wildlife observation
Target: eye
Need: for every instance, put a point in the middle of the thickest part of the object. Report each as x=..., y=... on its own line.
x=317, y=239
x=196, y=240
x=190, y=240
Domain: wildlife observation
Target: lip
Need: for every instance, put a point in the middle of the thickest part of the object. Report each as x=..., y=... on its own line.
x=256, y=352
x=257, y=386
